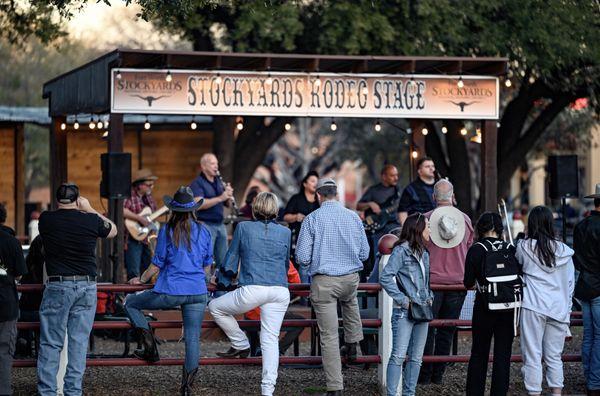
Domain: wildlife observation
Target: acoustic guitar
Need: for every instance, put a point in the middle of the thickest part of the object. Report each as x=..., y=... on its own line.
x=138, y=231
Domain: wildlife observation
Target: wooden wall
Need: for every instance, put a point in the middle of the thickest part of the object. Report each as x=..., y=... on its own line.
x=12, y=175
x=172, y=155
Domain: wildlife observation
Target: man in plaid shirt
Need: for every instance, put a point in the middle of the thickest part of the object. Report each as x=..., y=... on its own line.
x=137, y=254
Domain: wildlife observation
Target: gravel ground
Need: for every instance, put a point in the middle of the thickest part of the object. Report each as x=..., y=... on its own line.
x=245, y=380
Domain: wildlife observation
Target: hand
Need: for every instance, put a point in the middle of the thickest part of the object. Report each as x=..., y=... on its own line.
x=143, y=221
x=228, y=193
x=375, y=208
x=84, y=205
x=299, y=217
x=135, y=281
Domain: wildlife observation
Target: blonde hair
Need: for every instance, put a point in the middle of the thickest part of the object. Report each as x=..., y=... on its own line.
x=265, y=206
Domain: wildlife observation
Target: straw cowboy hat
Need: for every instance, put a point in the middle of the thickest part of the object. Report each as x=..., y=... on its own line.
x=447, y=227
x=142, y=175
x=182, y=201
x=596, y=195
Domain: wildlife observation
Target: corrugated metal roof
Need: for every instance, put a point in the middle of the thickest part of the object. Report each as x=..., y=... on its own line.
x=33, y=115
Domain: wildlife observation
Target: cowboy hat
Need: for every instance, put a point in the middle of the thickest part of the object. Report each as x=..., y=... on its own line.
x=447, y=227
x=183, y=200
x=143, y=174
x=596, y=195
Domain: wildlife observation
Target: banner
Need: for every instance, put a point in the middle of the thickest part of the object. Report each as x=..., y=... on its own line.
x=303, y=94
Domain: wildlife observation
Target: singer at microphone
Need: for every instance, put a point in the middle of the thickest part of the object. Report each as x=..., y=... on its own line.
x=217, y=195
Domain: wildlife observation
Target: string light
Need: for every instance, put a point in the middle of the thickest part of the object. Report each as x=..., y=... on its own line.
x=240, y=125
x=147, y=125
x=460, y=83
x=99, y=125
x=63, y=126
x=76, y=124
x=92, y=125
x=444, y=130
x=269, y=79
x=168, y=77
x=365, y=90
x=218, y=79
x=105, y=135
x=287, y=126
x=119, y=76
x=333, y=126
x=318, y=81
x=424, y=131
x=464, y=131
x=507, y=83
x=415, y=154
x=377, y=126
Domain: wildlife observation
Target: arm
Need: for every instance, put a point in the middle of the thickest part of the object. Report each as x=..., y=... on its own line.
x=158, y=260
x=20, y=267
x=148, y=274
x=304, y=245
x=128, y=214
x=403, y=206
x=388, y=281
x=84, y=205
x=232, y=259
x=364, y=242
x=366, y=202
x=472, y=263
x=291, y=214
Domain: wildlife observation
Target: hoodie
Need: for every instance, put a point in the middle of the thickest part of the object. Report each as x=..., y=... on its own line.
x=548, y=290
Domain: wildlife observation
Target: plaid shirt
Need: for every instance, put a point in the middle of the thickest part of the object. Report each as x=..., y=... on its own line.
x=136, y=204
x=332, y=241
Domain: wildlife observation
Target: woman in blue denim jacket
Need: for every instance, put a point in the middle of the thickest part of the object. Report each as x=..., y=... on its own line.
x=406, y=279
x=260, y=252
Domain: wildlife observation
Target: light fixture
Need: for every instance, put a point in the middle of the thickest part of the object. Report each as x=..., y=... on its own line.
x=460, y=82
x=314, y=150
x=63, y=126
x=507, y=83
x=92, y=124
x=240, y=125
x=106, y=123
x=169, y=77
x=193, y=124
x=317, y=81
x=147, y=124
x=105, y=135
x=365, y=90
x=269, y=80
x=408, y=131
x=119, y=76
x=477, y=138
x=424, y=131
x=333, y=126
x=444, y=130
x=464, y=131
x=287, y=126
x=377, y=126
x=415, y=153
x=99, y=125
x=218, y=79
x=76, y=124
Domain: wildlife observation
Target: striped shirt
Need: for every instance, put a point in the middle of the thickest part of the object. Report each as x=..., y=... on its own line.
x=332, y=241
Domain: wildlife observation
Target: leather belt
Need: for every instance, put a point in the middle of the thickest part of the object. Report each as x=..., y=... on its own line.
x=72, y=278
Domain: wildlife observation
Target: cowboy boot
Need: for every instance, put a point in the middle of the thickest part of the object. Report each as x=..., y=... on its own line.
x=349, y=351
x=149, y=351
x=187, y=380
x=232, y=352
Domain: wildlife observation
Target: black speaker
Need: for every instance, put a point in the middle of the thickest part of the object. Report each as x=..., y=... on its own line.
x=564, y=176
x=116, y=175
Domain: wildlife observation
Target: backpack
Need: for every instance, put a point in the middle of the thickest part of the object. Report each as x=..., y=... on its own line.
x=502, y=288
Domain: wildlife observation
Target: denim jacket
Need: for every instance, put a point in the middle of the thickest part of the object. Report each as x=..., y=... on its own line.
x=403, y=279
x=261, y=251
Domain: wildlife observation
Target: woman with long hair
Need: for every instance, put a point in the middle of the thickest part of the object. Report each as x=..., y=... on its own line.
x=488, y=323
x=183, y=253
x=406, y=279
x=549, y=278
x=259, y=252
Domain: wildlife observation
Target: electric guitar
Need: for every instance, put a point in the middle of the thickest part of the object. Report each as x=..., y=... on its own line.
x=138, y=231
x=375, y=222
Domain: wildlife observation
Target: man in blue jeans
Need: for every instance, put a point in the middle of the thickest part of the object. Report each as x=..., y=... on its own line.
x=69, y=235
x=216, y=196
x=586, y=243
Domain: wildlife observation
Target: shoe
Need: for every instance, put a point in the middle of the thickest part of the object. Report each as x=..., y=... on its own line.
x=149, y=351
x=187, y=380
x=232, y=352
x=349, y=351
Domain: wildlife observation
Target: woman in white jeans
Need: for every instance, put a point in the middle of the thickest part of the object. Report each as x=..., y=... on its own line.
x=260, y=251
x=548, y=274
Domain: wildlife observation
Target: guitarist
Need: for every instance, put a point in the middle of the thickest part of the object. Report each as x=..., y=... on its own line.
x=137, y=254
x=376, y=199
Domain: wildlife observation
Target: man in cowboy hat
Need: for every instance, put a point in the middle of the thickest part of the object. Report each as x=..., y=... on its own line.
x=137, y=254
x=586, y=243
x=451, y=236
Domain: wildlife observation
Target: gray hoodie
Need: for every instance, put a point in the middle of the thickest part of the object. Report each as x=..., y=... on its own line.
x=548, y=290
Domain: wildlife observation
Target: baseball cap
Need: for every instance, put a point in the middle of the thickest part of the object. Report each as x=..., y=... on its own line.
x=67, y=193
x=326, y=182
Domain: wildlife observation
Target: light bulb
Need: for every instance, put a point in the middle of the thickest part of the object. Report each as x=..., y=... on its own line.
x=318, y=82
x=415, y=154
x=444, y=130
x=105, y=134
x=287, y=126
x=464, y=131
x=63, y=126
x=193, y=125
x=99, y=125
x=119, y=76
x=240, y=125
x=424, y=131
x=92, y=125
x=169, y=77
x=269, y=80
x=365, y=91
x=147, y=125
x=218, y=79
x=460, y=83
x=377, y=126
x=507, y=83
x=333, y=126
x=76, y=125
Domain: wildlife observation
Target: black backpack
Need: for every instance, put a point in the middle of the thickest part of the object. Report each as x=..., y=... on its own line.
x=502, y=288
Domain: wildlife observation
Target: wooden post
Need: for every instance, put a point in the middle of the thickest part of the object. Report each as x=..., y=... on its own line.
x=489, y=166
x=19, y=198
x=115, y=208
x=58, y=157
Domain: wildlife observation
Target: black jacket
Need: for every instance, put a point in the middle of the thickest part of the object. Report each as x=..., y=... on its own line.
x=12, y=265
x=586, y=243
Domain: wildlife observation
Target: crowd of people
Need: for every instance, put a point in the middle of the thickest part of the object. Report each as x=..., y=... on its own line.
x=527, y=285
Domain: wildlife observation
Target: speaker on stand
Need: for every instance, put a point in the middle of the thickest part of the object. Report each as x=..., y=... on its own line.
x=564, y=183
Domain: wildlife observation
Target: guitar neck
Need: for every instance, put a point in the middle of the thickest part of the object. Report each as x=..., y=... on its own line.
x=158, y=213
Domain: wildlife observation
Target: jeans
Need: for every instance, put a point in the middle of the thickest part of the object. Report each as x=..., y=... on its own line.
x=192, y=307
x=408, y=339
x=273, y=302
x=8, y=339
x=66, y=307
x=137, y=258
x=590, y=348
x=218, y=234
x=488, y=324
x=446, y=305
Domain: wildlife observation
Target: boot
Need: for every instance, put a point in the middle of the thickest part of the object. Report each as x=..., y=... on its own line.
x=187, y=380
x=149, y=351
x=232, y=352
x=349, y=351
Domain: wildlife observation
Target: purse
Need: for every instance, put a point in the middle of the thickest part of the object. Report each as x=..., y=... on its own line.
x=420, y=313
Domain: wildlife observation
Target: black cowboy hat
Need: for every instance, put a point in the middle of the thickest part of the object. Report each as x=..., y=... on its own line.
x=182, y=201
